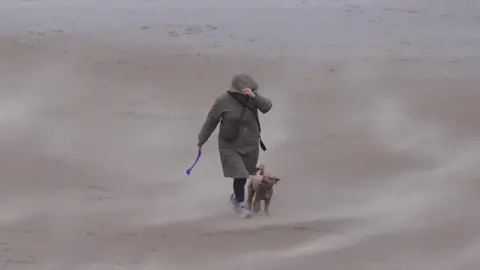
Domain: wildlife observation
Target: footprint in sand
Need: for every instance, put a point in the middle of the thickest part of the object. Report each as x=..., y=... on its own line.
x=403, y=42
x=193, y=30
x=211, y=27
x=173, y=33
x=410, y=11
x=217, y=44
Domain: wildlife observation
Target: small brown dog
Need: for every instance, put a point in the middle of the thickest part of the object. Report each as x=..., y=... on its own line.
x=260, y=188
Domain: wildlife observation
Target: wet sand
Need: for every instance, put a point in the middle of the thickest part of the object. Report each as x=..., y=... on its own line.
x=374, y=132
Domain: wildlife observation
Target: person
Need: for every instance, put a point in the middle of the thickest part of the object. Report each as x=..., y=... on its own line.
x=239, y=135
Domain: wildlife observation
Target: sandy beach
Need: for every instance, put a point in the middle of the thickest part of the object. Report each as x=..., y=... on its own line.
x=374, y=132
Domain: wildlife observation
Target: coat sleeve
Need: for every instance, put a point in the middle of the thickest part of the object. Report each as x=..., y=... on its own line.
x=263, y=104
x=213, y=118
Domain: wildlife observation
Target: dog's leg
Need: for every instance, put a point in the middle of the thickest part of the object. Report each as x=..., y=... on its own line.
x=256, y=205
x=251, y=193
x=266, y=208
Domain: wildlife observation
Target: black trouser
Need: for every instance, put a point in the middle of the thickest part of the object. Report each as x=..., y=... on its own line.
x=239, y=188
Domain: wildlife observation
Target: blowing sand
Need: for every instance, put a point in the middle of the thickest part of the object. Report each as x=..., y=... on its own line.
x=374, y=132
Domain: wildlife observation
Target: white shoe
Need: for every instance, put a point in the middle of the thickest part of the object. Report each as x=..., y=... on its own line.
x=240, y=209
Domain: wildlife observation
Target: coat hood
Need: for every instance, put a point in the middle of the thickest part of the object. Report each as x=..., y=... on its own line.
x=241, y=81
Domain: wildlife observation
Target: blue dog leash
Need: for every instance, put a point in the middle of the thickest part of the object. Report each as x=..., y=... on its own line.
x=189, y=170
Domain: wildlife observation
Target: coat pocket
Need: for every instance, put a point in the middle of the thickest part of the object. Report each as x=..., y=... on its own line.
x=230, y=131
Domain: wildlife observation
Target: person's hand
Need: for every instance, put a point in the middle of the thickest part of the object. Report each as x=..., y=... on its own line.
x=248, y=92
